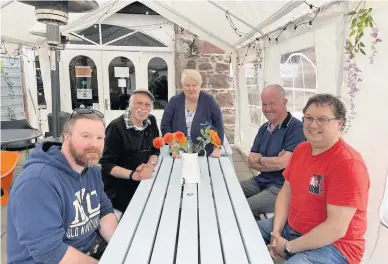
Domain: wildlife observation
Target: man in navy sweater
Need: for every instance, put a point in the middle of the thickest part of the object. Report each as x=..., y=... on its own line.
x=58, y=211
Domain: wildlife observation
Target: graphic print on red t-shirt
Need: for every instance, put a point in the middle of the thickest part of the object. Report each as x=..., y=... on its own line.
x=337, y=177
x=316, y=184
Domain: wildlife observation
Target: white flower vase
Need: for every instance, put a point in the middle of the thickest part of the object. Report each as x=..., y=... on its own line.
x=190, y=168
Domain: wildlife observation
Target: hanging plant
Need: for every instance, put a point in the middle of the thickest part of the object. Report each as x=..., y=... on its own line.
x=360, y=20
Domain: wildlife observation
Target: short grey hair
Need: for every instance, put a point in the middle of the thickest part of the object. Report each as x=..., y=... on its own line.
x=339, y=108
x=70, y=123
x=278, y=88
x=191, y=74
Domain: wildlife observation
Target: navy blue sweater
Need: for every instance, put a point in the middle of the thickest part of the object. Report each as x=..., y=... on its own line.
x=208, y=113
x=52, y=206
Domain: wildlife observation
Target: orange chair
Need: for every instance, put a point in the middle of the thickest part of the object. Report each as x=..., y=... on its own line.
x=9, y=159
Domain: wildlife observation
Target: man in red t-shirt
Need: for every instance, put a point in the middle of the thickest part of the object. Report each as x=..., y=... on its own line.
x=320, y=212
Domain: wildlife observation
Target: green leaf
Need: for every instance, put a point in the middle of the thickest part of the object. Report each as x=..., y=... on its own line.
x=361, y=11
x=352, y=13
x=362, y=44
x=370, y=10
x=175, y=149
x=354, y=21
x=199, y=138
x=208, y=129
x=355, y=50
x=202, y=132
x=362, y=51
x=352, y=33
x=371, y=24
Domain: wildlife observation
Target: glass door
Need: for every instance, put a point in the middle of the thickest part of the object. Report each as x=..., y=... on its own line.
x=121, y=76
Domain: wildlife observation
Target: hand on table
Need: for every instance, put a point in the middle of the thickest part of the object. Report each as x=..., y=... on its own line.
x=216, y=153
x=176, y=155
x=143, y=172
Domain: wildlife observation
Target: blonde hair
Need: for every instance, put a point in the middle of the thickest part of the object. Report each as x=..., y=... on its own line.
x=191, y=74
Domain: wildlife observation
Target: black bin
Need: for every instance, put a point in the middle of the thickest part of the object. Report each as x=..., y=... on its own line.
x=63, y=117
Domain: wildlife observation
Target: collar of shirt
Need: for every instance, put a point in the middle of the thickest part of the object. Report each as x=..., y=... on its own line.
x=129, y=124
x=284, y=124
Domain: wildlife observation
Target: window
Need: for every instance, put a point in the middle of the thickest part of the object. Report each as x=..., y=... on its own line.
x=91, y=33
x=113, y=35
x=157, y=82
x=39, y=84
x=122, y=82
x=299, y=76
x=254, y=102
x=83, y=82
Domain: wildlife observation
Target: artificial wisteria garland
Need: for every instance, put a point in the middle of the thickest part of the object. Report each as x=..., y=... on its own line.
x=360, y=19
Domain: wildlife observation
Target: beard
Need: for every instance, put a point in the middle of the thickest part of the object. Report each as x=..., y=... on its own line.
x=87, y=158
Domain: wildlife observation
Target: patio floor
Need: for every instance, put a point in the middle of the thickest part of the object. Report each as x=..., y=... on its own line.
x=240, y=165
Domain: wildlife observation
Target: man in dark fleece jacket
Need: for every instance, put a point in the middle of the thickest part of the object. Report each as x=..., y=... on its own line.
x=58, y=210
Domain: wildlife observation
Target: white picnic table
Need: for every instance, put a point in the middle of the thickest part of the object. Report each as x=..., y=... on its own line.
x=209, y=222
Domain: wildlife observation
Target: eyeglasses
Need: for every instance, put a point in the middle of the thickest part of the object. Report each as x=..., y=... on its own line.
x=320, y=120
x=85, y=111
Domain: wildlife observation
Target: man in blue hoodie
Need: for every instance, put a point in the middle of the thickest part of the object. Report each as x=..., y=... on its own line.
x=58, y=211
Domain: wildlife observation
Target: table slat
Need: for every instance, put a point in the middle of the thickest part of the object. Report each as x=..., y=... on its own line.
x=210, y=246
x=254, y=244
x=165, y=243
x=142, y=244
x=187, y=250
x=232, y=245
x=122, y=237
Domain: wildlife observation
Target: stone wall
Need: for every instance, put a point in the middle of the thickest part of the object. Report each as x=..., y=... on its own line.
x=213, y=64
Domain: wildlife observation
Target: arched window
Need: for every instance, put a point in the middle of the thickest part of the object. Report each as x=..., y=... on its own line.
x=122, y=82
x=299, y=76
x=83, y=82
x=158, y=81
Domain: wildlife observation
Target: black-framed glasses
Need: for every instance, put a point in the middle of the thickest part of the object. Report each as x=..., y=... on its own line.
x=85, y=111
x=320, y=120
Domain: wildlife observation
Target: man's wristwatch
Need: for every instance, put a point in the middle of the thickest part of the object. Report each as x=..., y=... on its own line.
x=287, y=250
x=131, y=174
x=259, y=160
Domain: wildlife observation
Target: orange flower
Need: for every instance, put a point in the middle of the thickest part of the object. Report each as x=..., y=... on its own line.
x=215, y=139
x=168, y=138
x=158, y=142
x=180, y=138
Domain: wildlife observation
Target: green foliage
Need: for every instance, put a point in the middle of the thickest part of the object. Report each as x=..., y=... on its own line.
x=360, y=19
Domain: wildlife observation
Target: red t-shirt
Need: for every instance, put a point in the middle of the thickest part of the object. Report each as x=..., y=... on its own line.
x=337, y=176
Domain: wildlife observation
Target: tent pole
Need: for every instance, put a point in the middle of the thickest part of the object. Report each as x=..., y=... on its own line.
x=55, y=90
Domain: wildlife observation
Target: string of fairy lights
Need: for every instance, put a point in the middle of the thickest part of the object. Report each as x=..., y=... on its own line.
x=273, y=35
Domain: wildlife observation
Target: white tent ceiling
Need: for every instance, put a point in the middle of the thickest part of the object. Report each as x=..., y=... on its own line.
x=207, y=19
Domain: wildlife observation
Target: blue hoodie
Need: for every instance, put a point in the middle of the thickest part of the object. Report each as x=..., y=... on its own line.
x=52, y=206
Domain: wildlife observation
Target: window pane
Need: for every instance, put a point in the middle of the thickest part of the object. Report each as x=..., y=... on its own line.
x=138, y=39
x=254, y=115
x=122, y=82
x=83, y=82
x=301, y=99
x=111, y=32
x=91, y=33
x=299, y=77
x=157, y=82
